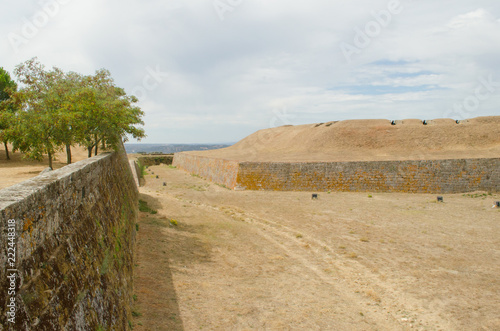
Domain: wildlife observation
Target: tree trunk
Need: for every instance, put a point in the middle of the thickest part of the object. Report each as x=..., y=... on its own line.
x=68, y=154
x=89, y=148
x=50, y=160
x=6, y=150
x=96, y=145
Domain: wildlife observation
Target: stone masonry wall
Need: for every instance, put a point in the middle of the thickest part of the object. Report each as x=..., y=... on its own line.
x=418, y=176
x=427, y=176
x=75, y=230
x=151, y=160
x=219, y=171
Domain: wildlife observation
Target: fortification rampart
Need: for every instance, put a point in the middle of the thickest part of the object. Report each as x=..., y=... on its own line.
x=414, y=176
x=223, y=172
x=75, y=231
x=150, y=160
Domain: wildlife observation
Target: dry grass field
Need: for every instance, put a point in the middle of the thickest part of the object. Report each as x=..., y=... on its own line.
x=369, y=140
x=18, y=169
x=256, y=260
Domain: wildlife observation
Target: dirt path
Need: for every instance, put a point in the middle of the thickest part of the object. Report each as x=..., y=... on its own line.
x=281, y=261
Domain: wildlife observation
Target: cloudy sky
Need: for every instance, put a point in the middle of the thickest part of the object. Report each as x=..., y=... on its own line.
x=217, y=70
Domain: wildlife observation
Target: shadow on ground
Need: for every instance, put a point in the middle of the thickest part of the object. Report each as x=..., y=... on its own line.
x=156, y=306
x=162, y=248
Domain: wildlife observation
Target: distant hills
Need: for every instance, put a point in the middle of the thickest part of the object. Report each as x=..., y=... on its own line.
x=171, y=148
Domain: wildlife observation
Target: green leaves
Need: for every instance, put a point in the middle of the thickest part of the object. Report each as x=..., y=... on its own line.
x=7, y=108
x=63, y=109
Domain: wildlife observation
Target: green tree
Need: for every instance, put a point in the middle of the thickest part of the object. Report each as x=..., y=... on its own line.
x=43, y=118
x=59, y=109
x=109, y=114
x=7, y=109
x=63, y=97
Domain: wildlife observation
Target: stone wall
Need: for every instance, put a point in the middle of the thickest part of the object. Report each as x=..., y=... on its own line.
x=74, y=247
x=223, y=172
x=136, y=172
x=419, y=176
x=150, y=160
x=427, y=176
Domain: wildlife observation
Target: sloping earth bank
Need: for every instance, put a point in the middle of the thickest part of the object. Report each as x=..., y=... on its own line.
x=369, y=140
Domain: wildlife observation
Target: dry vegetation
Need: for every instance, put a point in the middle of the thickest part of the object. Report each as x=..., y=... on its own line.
x=282, y=261
x=366, y=140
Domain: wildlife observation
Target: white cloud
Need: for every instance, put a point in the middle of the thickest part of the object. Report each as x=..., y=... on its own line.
x=476, y=17
x=227, y=78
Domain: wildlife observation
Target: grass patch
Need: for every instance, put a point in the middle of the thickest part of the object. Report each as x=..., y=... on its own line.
x=476, y=195
x=136, y=314
x=143, y=206
x=157, y=222
x=197, y=188
x=174, y=222
x=171, y=166
x=142, y=169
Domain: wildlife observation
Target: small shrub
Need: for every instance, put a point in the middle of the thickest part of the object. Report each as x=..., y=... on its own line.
x=174, y=222
x=136, y=314
x=370, y=196
x=137, y=227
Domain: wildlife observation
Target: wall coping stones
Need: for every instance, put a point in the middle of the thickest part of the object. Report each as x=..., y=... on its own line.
x=20, y=191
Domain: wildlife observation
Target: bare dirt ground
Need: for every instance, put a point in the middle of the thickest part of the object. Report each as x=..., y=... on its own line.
x=255, y=260
x=17, y=169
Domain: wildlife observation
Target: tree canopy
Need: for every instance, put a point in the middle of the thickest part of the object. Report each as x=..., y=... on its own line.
x=7, y=87
x=58, y=109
